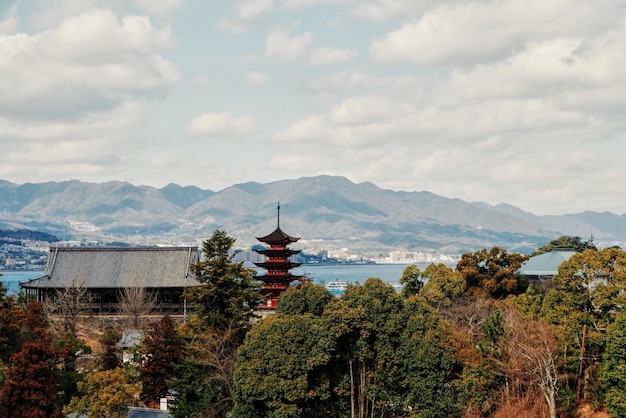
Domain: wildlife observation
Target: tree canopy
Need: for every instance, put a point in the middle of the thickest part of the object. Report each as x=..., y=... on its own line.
x=566, y=241
x=229, y=291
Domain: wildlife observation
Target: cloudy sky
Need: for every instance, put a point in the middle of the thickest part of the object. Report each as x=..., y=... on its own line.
x=521, y=102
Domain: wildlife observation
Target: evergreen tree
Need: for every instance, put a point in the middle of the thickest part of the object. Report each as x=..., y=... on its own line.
x=160, y=354
x=31, y=384
x=229, y=292
x=613, y=369
x=493, y=272
x=307, y=298
x=108, y=358
x=10, y=326
x=566, y=241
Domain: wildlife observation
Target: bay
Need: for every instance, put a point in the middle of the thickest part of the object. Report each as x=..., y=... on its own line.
x=12, y=279
x=354, y=273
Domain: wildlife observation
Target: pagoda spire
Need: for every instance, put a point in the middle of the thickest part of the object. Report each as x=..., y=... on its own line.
x=278, y=217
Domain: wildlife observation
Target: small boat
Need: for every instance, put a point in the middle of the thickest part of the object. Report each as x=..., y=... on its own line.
x=336, y=287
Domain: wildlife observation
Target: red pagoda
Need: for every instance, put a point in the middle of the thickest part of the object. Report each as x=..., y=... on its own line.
x=277, y=277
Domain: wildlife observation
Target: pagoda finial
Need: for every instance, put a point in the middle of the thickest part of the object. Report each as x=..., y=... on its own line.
x=278, y=218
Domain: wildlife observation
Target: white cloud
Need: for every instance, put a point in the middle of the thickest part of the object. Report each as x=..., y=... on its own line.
x=96, y=143
x=160, y=6
x=360, y=111
x=91, y=61
x=10, y=24
x=257, y=79
x=382, y=10
x=221, y=125
x=327, y=56
x=473, y=32
x=279, y=44
x=247, y=14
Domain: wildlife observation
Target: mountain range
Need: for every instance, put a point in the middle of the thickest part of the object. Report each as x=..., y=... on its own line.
x=327, y=212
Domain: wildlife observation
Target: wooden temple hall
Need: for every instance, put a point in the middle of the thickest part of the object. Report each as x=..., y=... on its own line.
x=104, y=272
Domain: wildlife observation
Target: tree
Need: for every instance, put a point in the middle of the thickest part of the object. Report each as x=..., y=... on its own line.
x=106, y=393
x=282, y=368
x=229, y=292
x=64, y=309
x=225, y=303
x=493, y=272
x=613, y=368
x=67, y=306
x=590, y=289
x=412, y=280
x=160, y=354
x=367, y=322
x=443, y=286
x=135, y=303
x=31, y=384
x=429, y=368
x=108, y=358
x=532, y=350
x=10, y=326
x=307, y=298
x=565, y=241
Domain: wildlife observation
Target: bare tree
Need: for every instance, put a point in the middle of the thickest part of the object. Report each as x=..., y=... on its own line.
x=67, y=305
x=533, y=351
x=135, y=303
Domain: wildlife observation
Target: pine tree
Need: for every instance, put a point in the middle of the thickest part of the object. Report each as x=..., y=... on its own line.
x=31, y=384
x=161, y=353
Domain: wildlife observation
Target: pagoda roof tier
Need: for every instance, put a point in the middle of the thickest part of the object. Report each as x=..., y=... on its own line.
x=278, y=277
x=278, y=265
x=278, y=237
x=277, y=252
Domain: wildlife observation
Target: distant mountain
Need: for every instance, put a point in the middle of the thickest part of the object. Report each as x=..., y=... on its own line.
x=326, y=211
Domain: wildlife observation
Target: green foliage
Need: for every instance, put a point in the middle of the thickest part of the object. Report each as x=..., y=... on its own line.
x=307, y=298
x=428, y=363
x=282, y=368
x=613, y=368
x=229, y=292
x=565, y=241
x=443, y=286
x=493, y=272
x=10, y=326
x=160, y=353
x=372, y=352
x=108, y=358
x=412, y=280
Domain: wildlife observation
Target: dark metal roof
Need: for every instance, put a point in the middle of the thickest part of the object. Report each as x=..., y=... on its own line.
x=108, y=267
x=275, y=252
x=269, y=265
x=278, y=237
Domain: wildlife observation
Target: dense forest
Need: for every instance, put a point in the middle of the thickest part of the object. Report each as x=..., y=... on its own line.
x=474, y=341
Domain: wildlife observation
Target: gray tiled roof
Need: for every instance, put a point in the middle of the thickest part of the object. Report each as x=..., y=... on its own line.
x=130, y=338
x=546, y=264
x=105, y=267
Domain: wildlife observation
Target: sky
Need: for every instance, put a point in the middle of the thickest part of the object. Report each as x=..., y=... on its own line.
x=499, y=101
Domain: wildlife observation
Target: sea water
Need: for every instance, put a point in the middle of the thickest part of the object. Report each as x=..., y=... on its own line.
x=12, y=279
x=353, y=273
